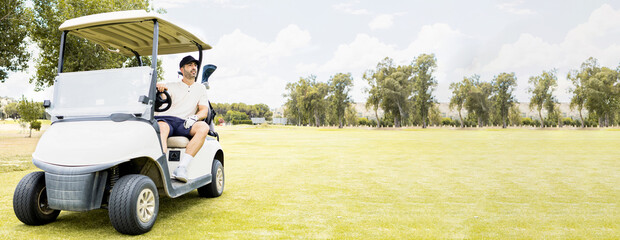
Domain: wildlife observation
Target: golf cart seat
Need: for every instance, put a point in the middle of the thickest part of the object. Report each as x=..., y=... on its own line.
x=177, y=142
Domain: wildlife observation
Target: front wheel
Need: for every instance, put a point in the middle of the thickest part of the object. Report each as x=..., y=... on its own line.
x=216, y=187
x=30, y=200
x=134, y=204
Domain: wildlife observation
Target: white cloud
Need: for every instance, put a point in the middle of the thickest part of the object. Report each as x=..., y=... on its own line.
x=361, y=54
x=251, y=70
x=512, y=7
x=454, y=50
x=290, y=39
x=383, y=21
x=455, y=53
x=530, y=55
x=348, y=8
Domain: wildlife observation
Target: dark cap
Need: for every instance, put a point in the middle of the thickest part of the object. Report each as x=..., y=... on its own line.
x=188, y=59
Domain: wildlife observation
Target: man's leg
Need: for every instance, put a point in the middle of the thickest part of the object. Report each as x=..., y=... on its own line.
x=164, y=130
x=199, y=132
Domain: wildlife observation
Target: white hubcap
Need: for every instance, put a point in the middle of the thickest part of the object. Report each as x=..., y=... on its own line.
x=219, y=178
x=146, y=205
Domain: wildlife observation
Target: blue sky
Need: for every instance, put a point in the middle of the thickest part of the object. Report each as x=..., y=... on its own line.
x=259, y=46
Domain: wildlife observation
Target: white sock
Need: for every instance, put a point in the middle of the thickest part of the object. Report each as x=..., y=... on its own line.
x=185, y=159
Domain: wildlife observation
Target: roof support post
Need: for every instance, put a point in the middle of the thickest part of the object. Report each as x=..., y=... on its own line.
x=199, y=60
x=153, y=88
x=61, y=58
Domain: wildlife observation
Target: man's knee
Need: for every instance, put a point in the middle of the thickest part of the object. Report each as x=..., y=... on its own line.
x=201, y=128
x=163, y=127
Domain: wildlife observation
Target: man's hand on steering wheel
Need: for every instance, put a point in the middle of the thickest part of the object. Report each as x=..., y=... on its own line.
x=163, y=101
x=161, y=87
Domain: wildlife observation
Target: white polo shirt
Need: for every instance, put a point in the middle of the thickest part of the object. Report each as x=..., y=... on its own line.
x=185, y=99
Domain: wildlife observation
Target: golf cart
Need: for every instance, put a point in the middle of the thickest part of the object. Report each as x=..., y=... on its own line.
x=103, y=148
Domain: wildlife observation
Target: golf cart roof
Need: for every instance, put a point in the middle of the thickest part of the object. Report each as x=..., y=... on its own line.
x=133, y=30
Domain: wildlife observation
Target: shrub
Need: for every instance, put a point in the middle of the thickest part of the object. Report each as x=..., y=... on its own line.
x=526, y=121
x=218, y=120
x=568, y=122
x=36, y=125
x=231, y=116
x=237, y=122
x=363, y=121
x=373, y=123
x=447, y=122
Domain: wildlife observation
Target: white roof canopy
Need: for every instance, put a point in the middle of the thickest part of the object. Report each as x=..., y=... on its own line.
x=133, y=30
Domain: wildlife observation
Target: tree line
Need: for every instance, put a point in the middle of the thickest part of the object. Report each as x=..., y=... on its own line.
x=405, y=94
x=24, y=111
x=595, y=89
x=240, y=113
x=310, y=102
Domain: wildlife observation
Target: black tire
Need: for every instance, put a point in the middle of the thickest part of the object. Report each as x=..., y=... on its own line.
x=134, y=204
x=216, y=187
x=30, y=201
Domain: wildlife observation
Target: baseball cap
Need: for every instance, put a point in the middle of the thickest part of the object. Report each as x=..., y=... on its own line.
x=187, y=59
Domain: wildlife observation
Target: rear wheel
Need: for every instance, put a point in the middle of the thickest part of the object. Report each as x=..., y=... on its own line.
x=30, y=200
x=134, y=204
x=216, y=187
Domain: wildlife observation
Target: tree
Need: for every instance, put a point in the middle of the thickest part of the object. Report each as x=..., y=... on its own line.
x=602, y=94
x=423, y=84
x=541, y=88
x=307, y=101
x=595, y=88
x=459, y=95
x=30, y=113
x=80, y=55
x=11, y=110
x=351, y=116
x=263, y=110
x=514, y=115
x=235, y=115
x=392, y=85
x=579, y=93
x=503, y=86
x=15, y=19
x=292, y=110
x=434, y=115
x=316, y=100
x=339, y=98
x=478, y=100
x=374, y=95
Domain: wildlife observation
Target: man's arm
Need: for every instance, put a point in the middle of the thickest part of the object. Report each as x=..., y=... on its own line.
x=203, y=112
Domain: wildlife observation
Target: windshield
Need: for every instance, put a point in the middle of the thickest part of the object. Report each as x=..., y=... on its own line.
x=101, y=92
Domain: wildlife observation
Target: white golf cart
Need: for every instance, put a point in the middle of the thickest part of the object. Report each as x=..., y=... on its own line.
x=103, y=148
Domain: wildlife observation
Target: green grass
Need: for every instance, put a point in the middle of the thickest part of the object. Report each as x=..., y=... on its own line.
x=15, y=147
x=289, y=182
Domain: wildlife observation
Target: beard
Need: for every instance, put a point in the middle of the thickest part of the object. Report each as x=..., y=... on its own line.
x=190, y=74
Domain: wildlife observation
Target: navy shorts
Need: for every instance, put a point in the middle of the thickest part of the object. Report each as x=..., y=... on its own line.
x=176, y=126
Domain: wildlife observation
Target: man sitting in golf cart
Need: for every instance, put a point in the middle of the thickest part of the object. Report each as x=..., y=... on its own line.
x=182, y=118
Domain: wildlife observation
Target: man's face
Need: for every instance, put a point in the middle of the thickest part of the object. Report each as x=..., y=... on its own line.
x=189, y=70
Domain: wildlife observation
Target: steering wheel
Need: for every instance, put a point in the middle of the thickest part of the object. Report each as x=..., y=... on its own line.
x=160, y=101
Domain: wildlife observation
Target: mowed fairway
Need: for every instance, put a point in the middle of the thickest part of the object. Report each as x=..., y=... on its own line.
x=301, y=182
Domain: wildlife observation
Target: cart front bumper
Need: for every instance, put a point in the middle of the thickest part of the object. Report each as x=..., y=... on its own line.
x=75, y=192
